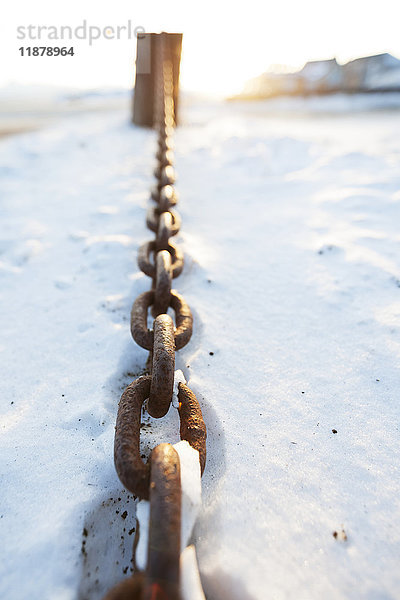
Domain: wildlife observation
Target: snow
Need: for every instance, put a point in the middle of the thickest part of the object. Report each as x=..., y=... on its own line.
x=190, y=498
x=191, y=588
x=291, y=240
x=178, y=378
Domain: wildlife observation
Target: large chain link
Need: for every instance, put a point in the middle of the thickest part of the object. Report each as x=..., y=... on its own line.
x=158, y=480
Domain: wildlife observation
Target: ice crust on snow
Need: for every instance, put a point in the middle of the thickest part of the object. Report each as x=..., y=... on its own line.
x=191, y=501
x=190, y=580
x=290, y=234
x=178, y=378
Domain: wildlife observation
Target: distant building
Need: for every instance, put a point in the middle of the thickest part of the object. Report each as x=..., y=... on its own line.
x=324, y=75
x=379, y=73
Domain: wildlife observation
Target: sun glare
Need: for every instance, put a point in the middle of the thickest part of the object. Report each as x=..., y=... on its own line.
x=224, y=44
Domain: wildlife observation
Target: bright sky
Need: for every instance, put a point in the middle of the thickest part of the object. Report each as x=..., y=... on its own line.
x=225, y=43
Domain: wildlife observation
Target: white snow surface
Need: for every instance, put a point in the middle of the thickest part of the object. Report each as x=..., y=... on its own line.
x=290, y=230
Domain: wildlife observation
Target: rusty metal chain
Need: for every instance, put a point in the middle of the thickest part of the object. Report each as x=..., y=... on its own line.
x=158, y=480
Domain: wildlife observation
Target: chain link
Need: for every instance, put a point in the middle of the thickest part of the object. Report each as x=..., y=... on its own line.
x=162, y=374
x=149, y=248
x=158, y=480
x=162, y=283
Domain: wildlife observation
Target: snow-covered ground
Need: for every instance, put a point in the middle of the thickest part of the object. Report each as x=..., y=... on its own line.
x=291, y=236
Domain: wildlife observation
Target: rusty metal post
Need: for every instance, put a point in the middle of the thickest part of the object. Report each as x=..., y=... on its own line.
x=147, y=56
